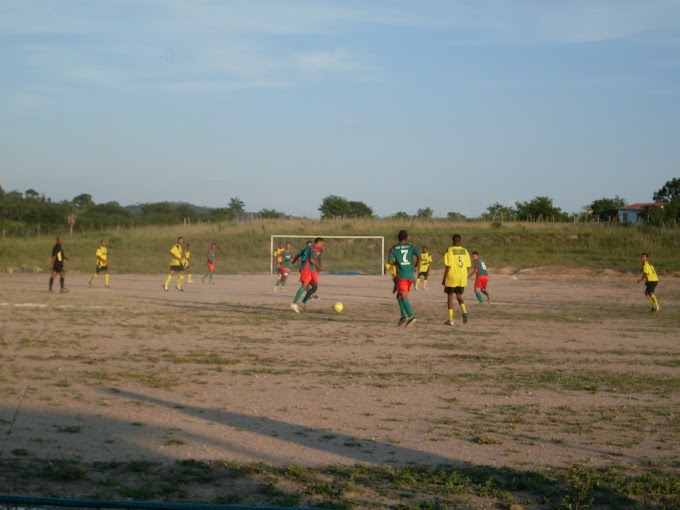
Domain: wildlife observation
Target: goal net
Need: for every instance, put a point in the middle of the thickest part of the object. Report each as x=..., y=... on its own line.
x=342, y=254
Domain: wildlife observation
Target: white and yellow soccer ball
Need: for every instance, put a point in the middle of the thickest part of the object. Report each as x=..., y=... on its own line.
x=338, y=307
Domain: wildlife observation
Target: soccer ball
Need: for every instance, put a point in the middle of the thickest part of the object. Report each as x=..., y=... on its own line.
x=338, y=307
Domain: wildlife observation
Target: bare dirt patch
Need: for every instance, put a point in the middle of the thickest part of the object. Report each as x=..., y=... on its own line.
x=560, y=370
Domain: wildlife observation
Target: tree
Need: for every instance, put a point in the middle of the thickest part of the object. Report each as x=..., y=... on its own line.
x=236, y=206
x=498, y=212
x=31, y=194
x=607, y=208
x=424, y=214
x=455, y=216
x=539, y=208
x=270, y=214
x=669, y=192
x=401, y=215
x=359, y=210
x=334, y=206
x=83, y=201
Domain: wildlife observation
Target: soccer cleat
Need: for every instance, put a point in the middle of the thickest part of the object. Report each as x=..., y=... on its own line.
x=410, y=322
x=89, y=284
x=180, y=289
x=107, y=286
x=465, y=318
x=64, y=291
x=50, y=291
x=415, y=288
x=202, y=279
x=165, y=288
x=402, y=321
x=295, y=307
x=190, y=281
x=212, y=282
x=656, y=309
x=448, y=323
x=315, y=296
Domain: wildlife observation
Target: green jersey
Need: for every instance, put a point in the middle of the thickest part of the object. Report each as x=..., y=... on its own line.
x=287, y=257
x=481, y=269
x=403, y=254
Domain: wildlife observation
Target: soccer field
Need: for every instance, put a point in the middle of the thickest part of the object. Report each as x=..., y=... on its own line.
x=560, y=370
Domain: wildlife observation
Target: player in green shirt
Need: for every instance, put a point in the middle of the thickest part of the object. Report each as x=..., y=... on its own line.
x=283, y=267
x=481, y=273
x=405, y=257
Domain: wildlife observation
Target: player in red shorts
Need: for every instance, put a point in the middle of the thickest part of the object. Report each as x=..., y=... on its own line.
x=481, y=273
x=309, y=272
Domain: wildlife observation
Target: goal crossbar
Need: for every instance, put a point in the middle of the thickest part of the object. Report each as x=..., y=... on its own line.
x=272, y=267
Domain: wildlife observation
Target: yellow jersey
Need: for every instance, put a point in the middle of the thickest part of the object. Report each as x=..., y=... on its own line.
x=176, y=252
x=425, y=261
x=102, y=256
x=278, y=255
x=186, y=257
x=457, y=262
x=392, y=268
x=649, y=272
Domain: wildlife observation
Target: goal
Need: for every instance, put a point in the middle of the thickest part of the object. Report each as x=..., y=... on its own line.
x=343, y=254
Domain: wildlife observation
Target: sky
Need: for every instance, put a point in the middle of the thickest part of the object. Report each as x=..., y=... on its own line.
x=403, y=105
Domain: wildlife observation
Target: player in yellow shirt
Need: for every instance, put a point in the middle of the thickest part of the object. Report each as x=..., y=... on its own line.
x=393, y=271
x=457, y=262
x=424, y=269
x=278, y=259
x=186, y=262
x=176, y=265
x=102, y=263
x=650, y=277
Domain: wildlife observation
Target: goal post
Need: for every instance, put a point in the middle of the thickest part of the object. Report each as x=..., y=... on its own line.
x=342, y=254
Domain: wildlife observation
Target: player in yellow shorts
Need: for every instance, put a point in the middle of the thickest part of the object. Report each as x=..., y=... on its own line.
x=102, y=263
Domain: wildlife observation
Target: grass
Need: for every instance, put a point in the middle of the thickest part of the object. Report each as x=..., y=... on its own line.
x=357, y=486
x=245, y=247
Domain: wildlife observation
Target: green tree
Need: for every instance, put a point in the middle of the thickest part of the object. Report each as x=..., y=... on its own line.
x=455, y=216
x=271, y=214
x=498, y=212
x=83, y=201
x=359, y=210
x=669, y=192
x=334, y=206
x=539, y=208
x=425, y=214
x=401, y=215
x=607, y=208
x=236, y=206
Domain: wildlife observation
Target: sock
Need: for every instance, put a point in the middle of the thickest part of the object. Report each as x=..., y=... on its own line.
x=402, y=309
x=61, y=283
x=51, y=282
x=180, y=279
x=655, y=301
x=479, y=296
x=417, y=281
x=424, y=284
x=485, y=293
x=167, y=280
x=94, y=276
x=298, y=295
x=407, y=307
x=450, y=314
x=106, y=279
x=462, y=307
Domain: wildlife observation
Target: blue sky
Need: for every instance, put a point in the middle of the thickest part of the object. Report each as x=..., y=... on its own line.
x=449, y=104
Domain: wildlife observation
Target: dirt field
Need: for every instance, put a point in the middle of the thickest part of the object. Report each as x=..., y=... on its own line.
x=560, y=369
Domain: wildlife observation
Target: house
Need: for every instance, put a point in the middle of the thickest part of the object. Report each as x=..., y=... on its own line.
x=635, y=213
